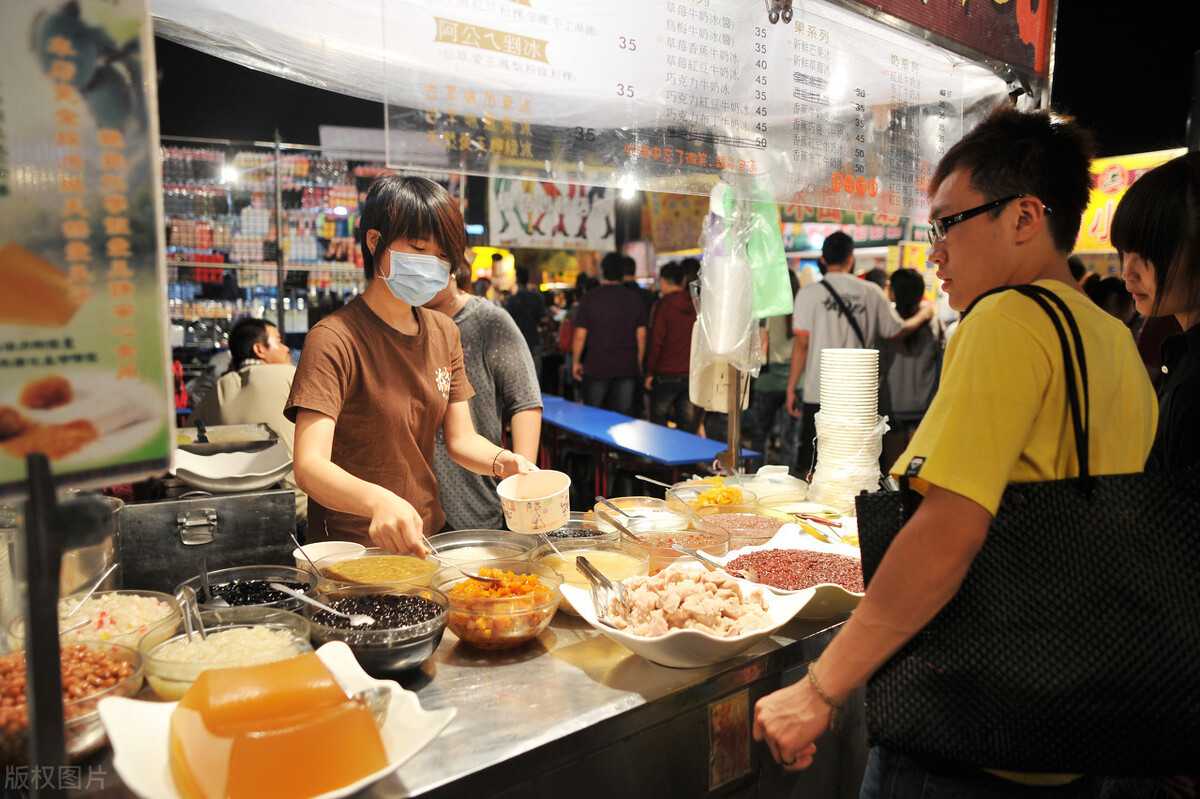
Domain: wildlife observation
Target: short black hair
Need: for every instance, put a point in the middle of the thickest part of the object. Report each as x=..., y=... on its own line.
x=522, y=273
x=413, y=208
x=630, y=266
x=837, y=249
x=612, y=266
x=1159, y=219
x=691, y=269
x=245, y=334
x=1077, y=266
x=908, y=287
x=1032, y=153
x=877, y=276
x=672, y=273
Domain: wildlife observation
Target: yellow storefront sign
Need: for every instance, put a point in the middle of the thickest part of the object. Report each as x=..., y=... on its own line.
x=1111, y=178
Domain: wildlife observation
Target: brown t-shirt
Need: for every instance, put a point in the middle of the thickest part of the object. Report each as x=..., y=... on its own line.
x=388, y=393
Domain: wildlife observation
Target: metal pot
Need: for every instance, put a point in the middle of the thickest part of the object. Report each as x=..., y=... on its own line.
x=82, y=565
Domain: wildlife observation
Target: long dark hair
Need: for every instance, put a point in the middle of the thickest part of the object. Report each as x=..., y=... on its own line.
x=1159, y=219
x=414, y=208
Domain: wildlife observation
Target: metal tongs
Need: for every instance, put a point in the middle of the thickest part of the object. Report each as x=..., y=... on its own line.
x=190, y=607
x=604, y=591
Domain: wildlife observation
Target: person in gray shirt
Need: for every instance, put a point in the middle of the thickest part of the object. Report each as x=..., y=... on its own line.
x=841, y=311
x=500, y=368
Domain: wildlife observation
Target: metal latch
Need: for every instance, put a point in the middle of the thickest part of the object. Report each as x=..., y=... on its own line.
x=196, y=527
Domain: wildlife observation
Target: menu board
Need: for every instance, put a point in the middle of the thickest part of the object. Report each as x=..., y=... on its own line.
x=83, y=357
x=833, y=109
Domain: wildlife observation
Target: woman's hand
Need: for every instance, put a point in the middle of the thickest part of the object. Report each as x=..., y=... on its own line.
x=510, y=463
x=790, y=721
x=396, y=526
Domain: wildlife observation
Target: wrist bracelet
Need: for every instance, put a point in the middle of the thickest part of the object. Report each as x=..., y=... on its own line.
x=834, y=707
x=498, y=454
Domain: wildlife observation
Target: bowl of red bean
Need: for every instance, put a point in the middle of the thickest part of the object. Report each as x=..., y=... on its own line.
x=91, y=671
x=747, y=525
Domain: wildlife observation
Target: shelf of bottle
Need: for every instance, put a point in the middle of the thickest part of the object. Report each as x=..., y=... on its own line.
x=323, y=266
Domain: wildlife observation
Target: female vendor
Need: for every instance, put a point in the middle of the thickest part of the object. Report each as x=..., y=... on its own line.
x=380, y=376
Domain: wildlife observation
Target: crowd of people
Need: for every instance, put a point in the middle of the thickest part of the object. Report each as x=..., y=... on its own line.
x=402, y=397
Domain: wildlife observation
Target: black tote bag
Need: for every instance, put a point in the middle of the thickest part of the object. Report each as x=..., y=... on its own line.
x=1073, y=644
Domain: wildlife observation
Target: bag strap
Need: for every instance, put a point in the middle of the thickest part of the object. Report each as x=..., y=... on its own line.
x=862, y=340
x=1080, y=418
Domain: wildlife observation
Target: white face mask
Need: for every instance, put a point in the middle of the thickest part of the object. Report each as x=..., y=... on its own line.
x=416, y=278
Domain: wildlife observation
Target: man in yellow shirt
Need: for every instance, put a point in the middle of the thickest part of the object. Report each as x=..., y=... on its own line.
x=1006, y=204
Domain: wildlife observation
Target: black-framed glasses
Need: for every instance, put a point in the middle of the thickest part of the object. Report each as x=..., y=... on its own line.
x=939, y=227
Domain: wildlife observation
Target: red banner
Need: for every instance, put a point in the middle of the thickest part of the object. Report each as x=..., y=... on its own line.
x=1016, y=32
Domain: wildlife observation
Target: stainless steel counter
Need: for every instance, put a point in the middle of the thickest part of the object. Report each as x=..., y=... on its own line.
x=570, y=694
x=575, y=712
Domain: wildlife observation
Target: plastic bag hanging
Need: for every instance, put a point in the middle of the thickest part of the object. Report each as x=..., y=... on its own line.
x=726, y=319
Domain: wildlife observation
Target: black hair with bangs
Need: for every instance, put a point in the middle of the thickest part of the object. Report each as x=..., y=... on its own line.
x=411, y=208
x=1159, y=219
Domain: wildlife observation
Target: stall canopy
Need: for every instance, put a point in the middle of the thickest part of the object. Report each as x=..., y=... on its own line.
x=835, y=109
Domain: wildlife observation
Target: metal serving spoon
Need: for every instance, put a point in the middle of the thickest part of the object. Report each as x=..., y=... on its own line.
x=712, y=564
x=91, y=591
x=620, y=527
x=356, y=619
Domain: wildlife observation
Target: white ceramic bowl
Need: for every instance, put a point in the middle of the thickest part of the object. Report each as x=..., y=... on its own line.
x=690, y=649
x=537, y=502
x=326, y=549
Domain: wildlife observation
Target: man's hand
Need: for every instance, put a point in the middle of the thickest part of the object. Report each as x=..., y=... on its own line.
x=649, y=382
x=577, y=371
x=790, y=721
x=792, y=408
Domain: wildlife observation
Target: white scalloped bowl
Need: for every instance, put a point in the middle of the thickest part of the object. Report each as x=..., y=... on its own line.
x=827, y=600
x=690, y=649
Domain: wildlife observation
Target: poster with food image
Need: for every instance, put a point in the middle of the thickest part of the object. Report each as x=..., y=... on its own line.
x=84, y=374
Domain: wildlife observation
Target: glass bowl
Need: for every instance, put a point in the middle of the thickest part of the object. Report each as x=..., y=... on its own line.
x=406, y=570
x=712, y=542
x=582, y=525
x=100, y=629
x=385, y=650
x=500, y=622
x=171, y=675
x=462, y=546
x=690, y=493
x=648, y=515
x=84, y=731
x=616, y=560
x=747, y=525
x=256, y=574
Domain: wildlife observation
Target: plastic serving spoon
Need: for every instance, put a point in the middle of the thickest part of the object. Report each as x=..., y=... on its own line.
x=356, y=619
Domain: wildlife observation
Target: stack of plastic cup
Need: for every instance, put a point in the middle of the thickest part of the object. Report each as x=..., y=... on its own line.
x=849, y=428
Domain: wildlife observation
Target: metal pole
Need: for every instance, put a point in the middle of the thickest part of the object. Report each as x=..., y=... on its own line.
x=43, y=562
x=731, y=458
x=280, y=273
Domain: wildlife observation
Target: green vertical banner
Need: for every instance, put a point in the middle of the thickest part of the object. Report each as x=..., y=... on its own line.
x=84, y=361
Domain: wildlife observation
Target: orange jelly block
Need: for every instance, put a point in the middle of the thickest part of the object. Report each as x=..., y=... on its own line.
x=283, y=729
